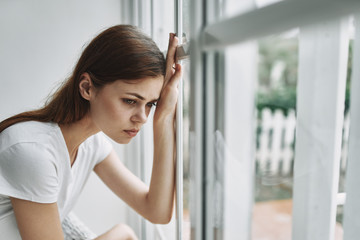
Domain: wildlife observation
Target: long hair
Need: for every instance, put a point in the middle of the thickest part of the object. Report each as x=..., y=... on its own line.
x=119, y=52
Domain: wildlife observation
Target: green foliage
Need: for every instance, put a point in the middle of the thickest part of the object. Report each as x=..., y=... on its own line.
x=347, y=98
x=273, y=50
x=282, y=95
x=283, y=99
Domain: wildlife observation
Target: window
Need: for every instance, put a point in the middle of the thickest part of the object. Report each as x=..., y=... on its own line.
x=241, y=160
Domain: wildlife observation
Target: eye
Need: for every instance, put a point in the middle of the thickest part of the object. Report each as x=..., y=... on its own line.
x=151, y=104
x=129, y=101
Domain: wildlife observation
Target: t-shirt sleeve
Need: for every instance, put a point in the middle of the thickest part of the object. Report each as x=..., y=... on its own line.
x=103, y=147
x=28, y=172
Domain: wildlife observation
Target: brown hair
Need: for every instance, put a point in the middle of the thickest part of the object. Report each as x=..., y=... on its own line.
x=119, y=52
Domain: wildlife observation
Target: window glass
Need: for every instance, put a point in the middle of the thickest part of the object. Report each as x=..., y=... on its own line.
x=163, y=22
x=186, y=122
x=187, y=151
x=275, y=136
x=250, y=90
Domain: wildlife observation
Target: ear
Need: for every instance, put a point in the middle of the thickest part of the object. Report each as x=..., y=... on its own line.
x=85, y=86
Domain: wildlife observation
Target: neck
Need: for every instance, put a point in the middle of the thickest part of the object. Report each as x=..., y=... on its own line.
x=76, y=133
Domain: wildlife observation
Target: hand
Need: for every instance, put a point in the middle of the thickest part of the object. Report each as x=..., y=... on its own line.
x=166, y=106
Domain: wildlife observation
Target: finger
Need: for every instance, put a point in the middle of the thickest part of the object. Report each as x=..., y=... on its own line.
x=172, y=37
x=170, y=57
x=174, y=80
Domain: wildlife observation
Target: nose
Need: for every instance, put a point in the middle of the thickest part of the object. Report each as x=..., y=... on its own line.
x=140, y=115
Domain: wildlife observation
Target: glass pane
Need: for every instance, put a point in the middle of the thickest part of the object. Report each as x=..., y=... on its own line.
x=186, y=122
x=186, y=20
x=163, y=22
x=274, y=61
x=275, y=136
x=186, y=144
x=345, y=136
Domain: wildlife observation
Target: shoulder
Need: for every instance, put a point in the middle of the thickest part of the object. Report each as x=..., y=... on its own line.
x=28, y=158
x=26, y=152
x=30, y=131
x=29, y=171
x=24, y=140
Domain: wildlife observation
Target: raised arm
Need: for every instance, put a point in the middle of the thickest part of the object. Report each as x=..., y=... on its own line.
x=162, y=185
x=37, y=221
x=155, y=203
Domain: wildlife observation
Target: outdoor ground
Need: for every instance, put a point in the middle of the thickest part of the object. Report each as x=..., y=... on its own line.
x=272, y=216
x=272, y=221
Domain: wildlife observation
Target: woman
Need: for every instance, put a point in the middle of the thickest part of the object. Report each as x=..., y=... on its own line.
x=46, y=155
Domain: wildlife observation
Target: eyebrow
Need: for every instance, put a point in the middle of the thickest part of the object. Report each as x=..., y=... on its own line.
x=140, y=97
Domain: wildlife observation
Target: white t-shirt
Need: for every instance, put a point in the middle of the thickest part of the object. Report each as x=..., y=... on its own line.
x=35, y=166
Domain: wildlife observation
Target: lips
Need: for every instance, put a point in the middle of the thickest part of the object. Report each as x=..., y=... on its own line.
x=132, y=132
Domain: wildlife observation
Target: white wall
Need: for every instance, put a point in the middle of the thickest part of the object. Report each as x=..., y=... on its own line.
x=39, y=43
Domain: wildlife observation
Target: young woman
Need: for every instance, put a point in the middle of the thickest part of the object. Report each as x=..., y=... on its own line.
x=46, y=155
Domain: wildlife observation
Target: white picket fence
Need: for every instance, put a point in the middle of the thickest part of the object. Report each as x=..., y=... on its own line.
x=275, y=143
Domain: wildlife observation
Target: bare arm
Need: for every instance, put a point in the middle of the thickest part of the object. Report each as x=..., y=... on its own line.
x=37, y=221
x=162, y=185
x=154, y=203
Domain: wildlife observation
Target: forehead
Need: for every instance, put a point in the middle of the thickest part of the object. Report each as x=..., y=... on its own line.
x=149, y=87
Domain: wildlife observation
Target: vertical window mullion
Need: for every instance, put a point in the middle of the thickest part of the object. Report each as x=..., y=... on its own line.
x=240, y=84
x=213, y=198
x=196, y=126
x=179, y=132
x=320, y=112
x=145, y=15
x=352, y=206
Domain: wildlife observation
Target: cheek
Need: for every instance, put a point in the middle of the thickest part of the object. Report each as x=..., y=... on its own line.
x=150, y=111
x=105, y=110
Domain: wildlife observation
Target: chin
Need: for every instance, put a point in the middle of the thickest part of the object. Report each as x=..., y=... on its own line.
x=119, y=139
x=122, y=140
